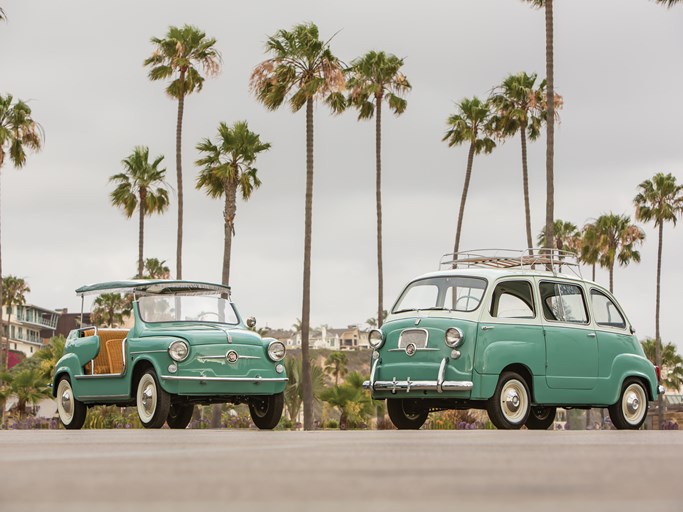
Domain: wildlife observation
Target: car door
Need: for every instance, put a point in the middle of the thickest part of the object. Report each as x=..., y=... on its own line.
x=570, y=341
x=510, y=329
x=614, y=335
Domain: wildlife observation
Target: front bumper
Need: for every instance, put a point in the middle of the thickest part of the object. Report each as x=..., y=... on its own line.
x=660, y=389
x=439, y=385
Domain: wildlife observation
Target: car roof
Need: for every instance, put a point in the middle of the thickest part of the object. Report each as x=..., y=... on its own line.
x=491, y=274
x=154, y=287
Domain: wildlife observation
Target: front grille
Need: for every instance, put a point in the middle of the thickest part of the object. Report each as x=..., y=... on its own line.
x=418, y=337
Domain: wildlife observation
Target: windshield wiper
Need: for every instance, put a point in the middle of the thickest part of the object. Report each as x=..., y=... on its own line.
x=435, y=308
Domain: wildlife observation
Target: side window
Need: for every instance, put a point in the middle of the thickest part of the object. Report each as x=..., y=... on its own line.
x=512, y=299
x=563, y=302
x=605, y=311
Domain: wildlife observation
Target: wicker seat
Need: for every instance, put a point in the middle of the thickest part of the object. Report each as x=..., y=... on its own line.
x=115, y=355
x=102, y=364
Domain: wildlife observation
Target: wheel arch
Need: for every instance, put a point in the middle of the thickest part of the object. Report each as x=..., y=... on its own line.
x=523, y=371
x=139, y=368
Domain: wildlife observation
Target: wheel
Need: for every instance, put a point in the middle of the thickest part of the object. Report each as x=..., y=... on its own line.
x=631, y=409
x=406, y=414
x=72, y=413
x=509, y=406
x=266, y=410
x=541, y=417
x=179, y=415
x=152, y=401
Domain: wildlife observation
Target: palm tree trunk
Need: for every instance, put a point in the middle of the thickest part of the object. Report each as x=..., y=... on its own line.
x=463, y=199
x=4, y=351
x=611, y=278
x=141, y=232
x=525, y=183
x=306, y=306
x=550, y=125
x=593, y=272
x=179, y=176
x=658, y=339
x=229, y=217
x=378, y=195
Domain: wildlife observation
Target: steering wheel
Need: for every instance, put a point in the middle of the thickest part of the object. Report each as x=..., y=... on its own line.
x=206, y=314
x=465, y=297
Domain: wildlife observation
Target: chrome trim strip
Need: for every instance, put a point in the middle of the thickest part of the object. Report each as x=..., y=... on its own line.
x=223, y=357
x=422, y=385
x=101, y=397
x=100, y=376
x=255, y=380
x=148, y=352
x=400, y=337
x=441, y=375
x=426, y=349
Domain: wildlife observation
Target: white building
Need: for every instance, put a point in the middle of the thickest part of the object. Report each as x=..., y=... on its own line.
x=25, y=324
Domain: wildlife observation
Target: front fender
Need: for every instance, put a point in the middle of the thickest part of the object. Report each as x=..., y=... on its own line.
x=69, y=365
x=499, y=354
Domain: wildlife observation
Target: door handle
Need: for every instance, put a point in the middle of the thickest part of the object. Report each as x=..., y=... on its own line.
x=487, y=327
x=591, y=335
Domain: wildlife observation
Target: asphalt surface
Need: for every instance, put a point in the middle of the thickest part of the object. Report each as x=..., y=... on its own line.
x=244, y=470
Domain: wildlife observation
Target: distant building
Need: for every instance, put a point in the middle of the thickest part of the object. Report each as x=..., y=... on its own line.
x=29, y=327
x=69, y=321
x=354, y=338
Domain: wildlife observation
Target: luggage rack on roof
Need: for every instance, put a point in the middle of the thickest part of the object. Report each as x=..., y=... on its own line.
x=547, y=259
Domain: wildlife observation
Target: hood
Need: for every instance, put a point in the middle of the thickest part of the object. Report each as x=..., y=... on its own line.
x=204, y=334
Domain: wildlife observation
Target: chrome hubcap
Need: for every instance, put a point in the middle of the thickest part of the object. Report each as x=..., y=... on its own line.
x=147, y=398
x=633, y=404
x=514, y=401
x=66, y=401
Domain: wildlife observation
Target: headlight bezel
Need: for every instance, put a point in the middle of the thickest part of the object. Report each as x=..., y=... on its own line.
x=377, y=344
x=174, y=355
x=274, y=344
x=457, y=338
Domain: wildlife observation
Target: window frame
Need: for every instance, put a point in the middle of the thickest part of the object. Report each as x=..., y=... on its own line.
x=531, y=306
x=615, y=304
x=586, y=309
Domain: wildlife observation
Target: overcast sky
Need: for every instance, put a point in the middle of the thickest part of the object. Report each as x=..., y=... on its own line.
x=79, y=64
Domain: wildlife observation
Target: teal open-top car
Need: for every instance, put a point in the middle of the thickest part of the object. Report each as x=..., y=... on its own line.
x=509, y=332
x=188, y=345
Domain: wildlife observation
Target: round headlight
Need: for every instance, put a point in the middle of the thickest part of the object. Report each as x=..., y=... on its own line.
x=276, y=350
x=375, y=338
x=454, y=337
x=178, y=350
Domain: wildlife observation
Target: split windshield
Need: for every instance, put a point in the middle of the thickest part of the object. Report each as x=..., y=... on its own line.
x=452, y=293
x=186, y=308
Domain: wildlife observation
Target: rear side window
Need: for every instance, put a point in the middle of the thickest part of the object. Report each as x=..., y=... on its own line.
x=563, y=302
x=605, y=311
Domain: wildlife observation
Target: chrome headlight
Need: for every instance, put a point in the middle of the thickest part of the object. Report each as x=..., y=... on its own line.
x=178, y=350
x=276, y=350
x=376, y=338
x=453, y=337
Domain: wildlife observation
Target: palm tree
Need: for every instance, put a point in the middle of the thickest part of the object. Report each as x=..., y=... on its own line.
x=110, y=309
x=29, y=386
x=373, y=78
x=301, y=70
x=660, y=199
x=668, y=3
x=335, y=365
x=14, y=292
x=473, y=124
x=140, y=187
x=227, y=169
x=156, y=269
x=521, y=108
x=50, y=354
x=617, y=240
x=567, y=238
x=589, y=250
x=294, y=392
x=177, y=57
x=670, y=361
x=18, y=133
x=550, y=116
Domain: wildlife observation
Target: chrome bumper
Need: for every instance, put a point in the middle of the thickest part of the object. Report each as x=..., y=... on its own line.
x=227, y=379
x=660, y=390
x=439, y=385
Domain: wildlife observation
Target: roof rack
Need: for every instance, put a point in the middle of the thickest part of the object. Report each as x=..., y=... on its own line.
x=552, y=260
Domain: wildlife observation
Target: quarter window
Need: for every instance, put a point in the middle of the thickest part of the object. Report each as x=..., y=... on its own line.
x=563, y=302
x=605, y=311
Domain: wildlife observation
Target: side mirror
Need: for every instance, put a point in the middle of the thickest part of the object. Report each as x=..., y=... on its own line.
x=251, y=322
x=633, y=331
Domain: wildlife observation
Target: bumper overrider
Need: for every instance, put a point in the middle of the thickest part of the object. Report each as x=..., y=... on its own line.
x=439, y=385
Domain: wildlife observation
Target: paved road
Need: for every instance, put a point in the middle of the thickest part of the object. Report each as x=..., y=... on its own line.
x=243, y=470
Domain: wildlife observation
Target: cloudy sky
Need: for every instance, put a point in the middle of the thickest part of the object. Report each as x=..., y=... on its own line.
x=79, y=64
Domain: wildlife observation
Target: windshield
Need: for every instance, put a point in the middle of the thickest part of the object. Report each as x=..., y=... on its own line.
x=186, y=308
x=452, y=293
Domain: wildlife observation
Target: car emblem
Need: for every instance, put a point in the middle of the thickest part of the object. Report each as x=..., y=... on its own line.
x=232, y=356
x=410, y=349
